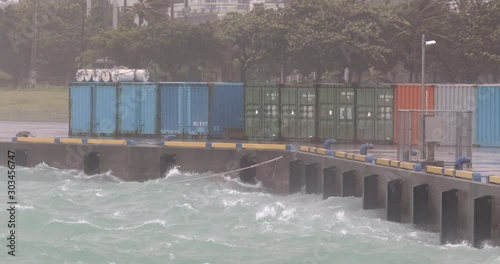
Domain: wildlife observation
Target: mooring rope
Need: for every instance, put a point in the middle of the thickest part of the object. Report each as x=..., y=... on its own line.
x=219, y=174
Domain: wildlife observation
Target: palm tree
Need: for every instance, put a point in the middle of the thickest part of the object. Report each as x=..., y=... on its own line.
x=416, y=17
x=149, y=10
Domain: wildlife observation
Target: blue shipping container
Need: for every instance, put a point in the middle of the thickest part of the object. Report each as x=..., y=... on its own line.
x=104, y=108
x=80, y=101
x=137, y=108
x=487, y=122
x=226, y=111
x=184, y=108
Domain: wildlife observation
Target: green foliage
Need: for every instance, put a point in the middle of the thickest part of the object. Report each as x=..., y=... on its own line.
x=119, y=45
x=325, y=36
x=5, y=76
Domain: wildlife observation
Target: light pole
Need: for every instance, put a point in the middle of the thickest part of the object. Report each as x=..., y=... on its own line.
x=33, y=45
x=422, y=136
x=424, y=44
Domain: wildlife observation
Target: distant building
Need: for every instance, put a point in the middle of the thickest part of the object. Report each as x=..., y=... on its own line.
x=216, y=8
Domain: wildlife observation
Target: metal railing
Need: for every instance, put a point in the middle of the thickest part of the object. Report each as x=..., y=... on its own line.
x=434, y=136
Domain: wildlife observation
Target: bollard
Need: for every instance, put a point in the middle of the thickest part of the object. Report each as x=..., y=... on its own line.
x=459, y=163
x=364, y=149
x=328, y=143
x=169, y=137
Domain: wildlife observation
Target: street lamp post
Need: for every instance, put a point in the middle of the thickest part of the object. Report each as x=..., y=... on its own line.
x=424, y=44
x=422, y=136
x=33, y=45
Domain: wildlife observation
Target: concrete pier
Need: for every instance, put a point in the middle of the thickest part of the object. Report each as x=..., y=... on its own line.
x=458, y=207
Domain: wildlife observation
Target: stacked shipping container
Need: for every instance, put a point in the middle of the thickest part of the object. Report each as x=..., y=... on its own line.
x=319, y=112
x=487, y=118
x=149, y=109
x=262, y=112
x=348, y=113
x=453, y=97
x=375, y=118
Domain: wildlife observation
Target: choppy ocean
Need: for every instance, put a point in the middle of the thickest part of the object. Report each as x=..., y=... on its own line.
x=64, y=216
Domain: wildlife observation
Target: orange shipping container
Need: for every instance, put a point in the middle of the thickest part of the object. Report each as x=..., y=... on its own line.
x=409, y=96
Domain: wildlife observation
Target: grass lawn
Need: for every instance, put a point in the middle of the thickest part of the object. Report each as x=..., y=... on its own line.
x=39, y=104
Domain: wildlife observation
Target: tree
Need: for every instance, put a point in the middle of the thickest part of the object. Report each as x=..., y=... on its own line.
x=478, y=39
x=118, y=45
x=417, y=17
x=148, y=10
x=238, y=32
x=177, y=47
x=272, y=47
x=330, y=35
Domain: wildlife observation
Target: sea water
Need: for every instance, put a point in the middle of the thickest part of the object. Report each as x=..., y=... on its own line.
x=64, y=216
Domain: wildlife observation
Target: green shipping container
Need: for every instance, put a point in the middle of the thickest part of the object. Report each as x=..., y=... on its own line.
x=262, y=112
x=374, y=105
x=298, y=112
x=336, y=112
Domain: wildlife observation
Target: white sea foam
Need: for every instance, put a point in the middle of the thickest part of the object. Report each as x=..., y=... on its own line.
x=173, y=172
x=176, y=171
x=24, y=207
x=116, y=215
x=266, y=212
x=187, y=206
x=340, y=215
x=85, y=222
x=287, y=214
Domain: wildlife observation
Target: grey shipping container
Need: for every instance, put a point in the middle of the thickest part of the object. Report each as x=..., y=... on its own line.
x=453, y=97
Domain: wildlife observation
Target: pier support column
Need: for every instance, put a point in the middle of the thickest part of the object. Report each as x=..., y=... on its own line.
x=482, y=221
x=296, y=174
x=248, y=175
x=348, y=181
x=92, y=163
x=449, y=214
x=312, y=178
x=167, y=162
x=21, y=157
x=393, y=202
x=330, y=184
x=370, y=192
x=420, y=209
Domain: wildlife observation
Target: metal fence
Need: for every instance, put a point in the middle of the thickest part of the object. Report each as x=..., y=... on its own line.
x=434, y=136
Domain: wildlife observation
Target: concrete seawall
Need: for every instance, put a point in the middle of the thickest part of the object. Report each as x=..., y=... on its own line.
x=462, y=210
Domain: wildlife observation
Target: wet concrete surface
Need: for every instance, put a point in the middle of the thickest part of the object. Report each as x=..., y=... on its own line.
x=484, y=160
x=8, y=129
